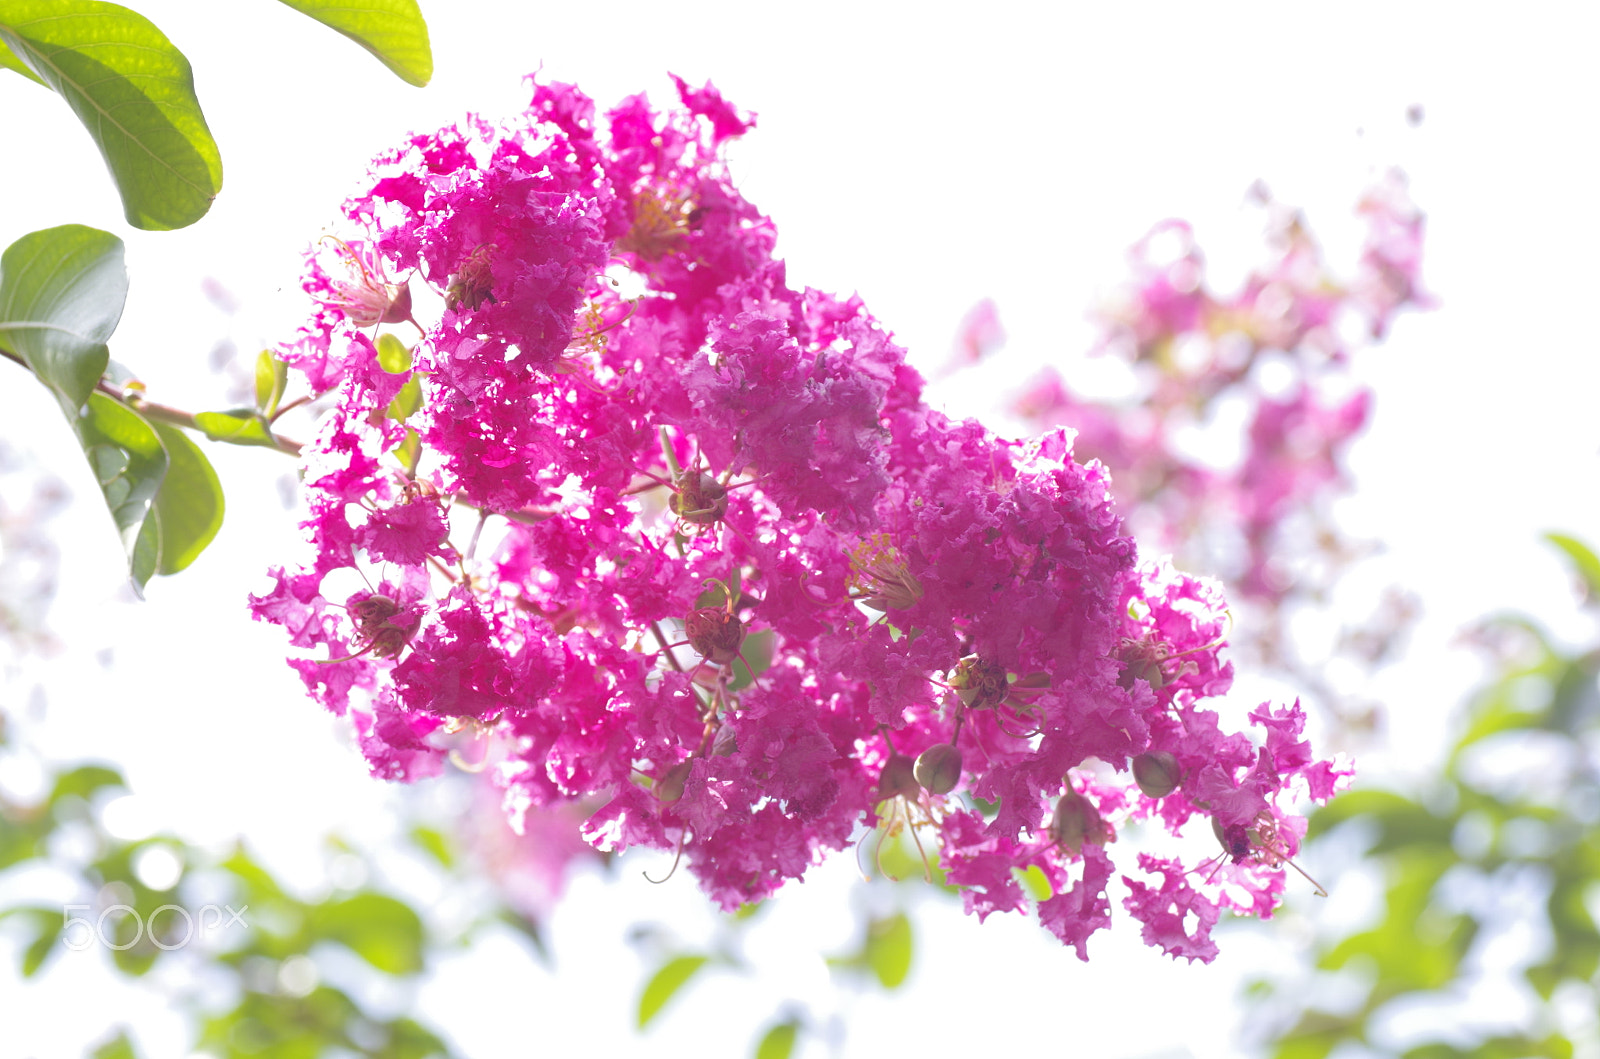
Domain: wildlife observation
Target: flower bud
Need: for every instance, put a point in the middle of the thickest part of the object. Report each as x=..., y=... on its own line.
x=898, y=779
x=1157, y=773
x=669, y=788
x=1077, y=821
x=938, y=768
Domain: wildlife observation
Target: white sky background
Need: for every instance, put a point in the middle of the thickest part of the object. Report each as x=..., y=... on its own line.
x=925, y=156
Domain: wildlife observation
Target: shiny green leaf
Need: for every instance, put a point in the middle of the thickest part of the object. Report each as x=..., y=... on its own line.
x=272, y=377
x=665, y=983
x=241, y=427
x=9, y=61
x=134, y=92
x=61, y=295
x=130, y=465
x=778, y=1042
x=190, y=501
x=392, y=30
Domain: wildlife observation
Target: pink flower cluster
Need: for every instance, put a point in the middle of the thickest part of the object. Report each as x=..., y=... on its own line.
x=686, y=542
x=1277, y=347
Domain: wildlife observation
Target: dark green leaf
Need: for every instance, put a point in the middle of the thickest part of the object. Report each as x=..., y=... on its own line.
x=242, y=427
x=190, y=501
x=392, y=30
x=61, y=295
x=272, y=376
x=130, y=464
x=889, y=949
x=381, y=930
x=778, y=1042
x=134, y=92
x=393, y=356
x=665, y=983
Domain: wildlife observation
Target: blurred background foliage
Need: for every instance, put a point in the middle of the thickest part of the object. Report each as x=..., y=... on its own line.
x=1489, y=873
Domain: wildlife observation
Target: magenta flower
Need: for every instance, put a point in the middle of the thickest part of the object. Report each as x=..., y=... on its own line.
x=685, y=546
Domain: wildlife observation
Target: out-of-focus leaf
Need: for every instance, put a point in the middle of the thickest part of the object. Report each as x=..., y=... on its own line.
x=409, y=451
x=61, y=295
x=407, y=401
x=1584, y=562
x=381, y=930
x=778, y=1042
x=45, y=924
x=272, y=377
x=239, y=427
x=134, y=92
x=130, y=464
x=889, y=948
x=392, y=30
x=1033, y=880
x=664, y=985
x=83, y=782
x=435, y=843
x=393, y=356
x=190, y=501
x=118, y=1047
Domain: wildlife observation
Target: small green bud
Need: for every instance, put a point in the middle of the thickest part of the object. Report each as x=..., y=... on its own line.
x=938, y=768
x=1157, y=773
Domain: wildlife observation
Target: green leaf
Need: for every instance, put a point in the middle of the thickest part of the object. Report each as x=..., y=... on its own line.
x=61, y=295
x=9, y=61
x=407, y=401
x=409, y=451
x=1035, y=882
x=665, y=983
x=83, y=782
x=272, y=377
x=392, y=30
x=393, y=356
x=134, y=92
x=130, y=464
x=240, y=427
x=190, y=501
x=778, y=1042
x=1583, y=560
x=119, y=1047
x=435, y=843
x=46, y=925
x=381, y=930
x=888, y=949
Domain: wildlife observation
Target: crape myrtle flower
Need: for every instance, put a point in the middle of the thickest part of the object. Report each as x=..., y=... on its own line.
x=686, y=546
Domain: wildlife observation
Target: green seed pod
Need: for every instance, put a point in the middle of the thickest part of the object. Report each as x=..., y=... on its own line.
x=669, y=788
x=898, y=779
x=1077, y=821
x=938, y=768
x=1157, y=773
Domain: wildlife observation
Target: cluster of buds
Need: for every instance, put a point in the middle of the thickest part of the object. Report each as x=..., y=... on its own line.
x=868, y=542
